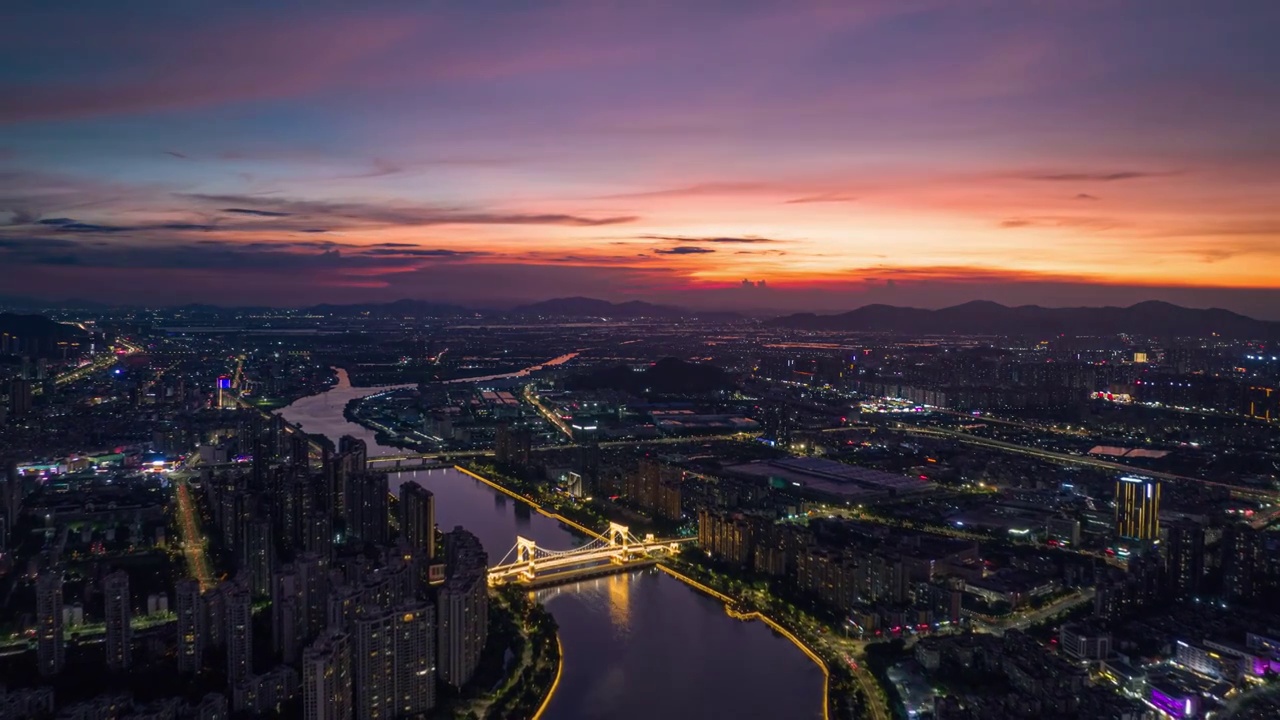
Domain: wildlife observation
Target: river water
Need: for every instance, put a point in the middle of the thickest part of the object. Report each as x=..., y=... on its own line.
x=637, y=646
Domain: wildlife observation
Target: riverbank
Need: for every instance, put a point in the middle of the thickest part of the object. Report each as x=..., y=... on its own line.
x=533, y=503
x=521, y=665
x=729, y=604
x=622, y=635
x=842, y=705
x=853, y=691
x=382, y=434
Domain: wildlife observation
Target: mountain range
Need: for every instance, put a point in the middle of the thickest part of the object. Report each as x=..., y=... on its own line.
x=989, y=318
x=973, y=318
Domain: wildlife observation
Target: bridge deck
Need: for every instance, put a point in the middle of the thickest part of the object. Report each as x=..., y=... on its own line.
x=568, y=576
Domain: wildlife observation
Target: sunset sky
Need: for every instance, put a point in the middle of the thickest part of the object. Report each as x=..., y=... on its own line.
x=917, y=153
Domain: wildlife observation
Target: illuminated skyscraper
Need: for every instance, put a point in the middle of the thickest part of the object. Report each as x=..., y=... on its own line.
x=224, y=391
x=118, y=610
x=1138, y=508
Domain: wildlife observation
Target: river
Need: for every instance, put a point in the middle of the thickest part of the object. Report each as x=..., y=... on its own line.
x=637, y=646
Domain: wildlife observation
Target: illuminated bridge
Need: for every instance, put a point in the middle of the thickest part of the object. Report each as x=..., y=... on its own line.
x=614, y=552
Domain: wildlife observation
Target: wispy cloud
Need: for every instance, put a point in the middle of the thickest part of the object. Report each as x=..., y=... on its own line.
x=397, y=214
x=684, y=250
x=280, y=257
x=1097, y=176
x=822, y=198
x=745, y=239
x=259, y=213
x=699, y=190
x=1062, y=221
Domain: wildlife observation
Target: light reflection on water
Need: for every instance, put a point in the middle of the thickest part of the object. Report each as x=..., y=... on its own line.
x=637, y=646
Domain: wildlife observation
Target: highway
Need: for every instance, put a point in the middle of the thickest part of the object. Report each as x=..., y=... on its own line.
x=193, y=540
x=1061, y=605
x=104, y=361
x=551, y=417
x=850, y=651
x=1012, y=423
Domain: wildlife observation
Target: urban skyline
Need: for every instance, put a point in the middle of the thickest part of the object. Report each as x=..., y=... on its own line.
x=581, y=359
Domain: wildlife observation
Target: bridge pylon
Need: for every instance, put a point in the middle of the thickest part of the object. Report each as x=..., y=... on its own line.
x=617, y=532
x=527, y=551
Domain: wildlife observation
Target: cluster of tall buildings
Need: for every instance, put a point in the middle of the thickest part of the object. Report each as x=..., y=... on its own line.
x=655, y=488
x=1184, y=557
x=880, y=577
x=362, y=621
x=513, y=445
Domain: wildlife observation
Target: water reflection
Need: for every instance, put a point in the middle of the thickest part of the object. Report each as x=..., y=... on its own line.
x=637, y=646
x=322, y=414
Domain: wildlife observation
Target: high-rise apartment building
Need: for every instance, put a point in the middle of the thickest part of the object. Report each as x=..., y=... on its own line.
x=327, y=678
x=367, y=518
x=49, y=647
x=513, y=445
x=349, y=461
x=313, y=574
x=191, y=625
x=1138, y=508
x=1183, y=549
x=418, y=518
x=463, y=607
x=20, y=394
x=238, y=610
x=317, y=533
x=119, y=612
x=1240, y=555
x=288, y=613
x=258, y=555
x=394, y=658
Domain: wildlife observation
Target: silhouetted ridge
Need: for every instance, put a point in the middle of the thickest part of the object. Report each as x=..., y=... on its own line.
x=989, y=318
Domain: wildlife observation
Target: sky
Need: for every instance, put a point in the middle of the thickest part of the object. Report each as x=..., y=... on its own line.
x=746, y=154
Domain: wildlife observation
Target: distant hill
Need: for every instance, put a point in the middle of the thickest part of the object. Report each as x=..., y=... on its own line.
x=585, y=307
x=669, y=376
x=398, y=308
x=989, y=318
